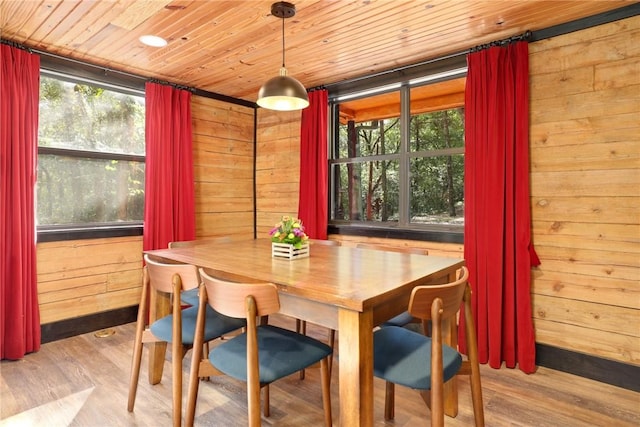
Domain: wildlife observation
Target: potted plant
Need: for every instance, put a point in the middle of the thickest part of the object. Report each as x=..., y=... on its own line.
x=288, y=239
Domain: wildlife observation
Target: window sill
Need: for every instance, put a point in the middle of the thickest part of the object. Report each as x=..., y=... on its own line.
x=61, y=233
x=448, y=235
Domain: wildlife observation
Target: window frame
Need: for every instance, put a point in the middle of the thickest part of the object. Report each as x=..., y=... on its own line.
x=76, y=72
x=403, y=81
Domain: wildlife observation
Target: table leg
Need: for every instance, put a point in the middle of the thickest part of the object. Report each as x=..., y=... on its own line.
x=356, y=368
x=159, y=306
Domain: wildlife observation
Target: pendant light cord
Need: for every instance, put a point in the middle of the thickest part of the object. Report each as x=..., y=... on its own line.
x=283, y=41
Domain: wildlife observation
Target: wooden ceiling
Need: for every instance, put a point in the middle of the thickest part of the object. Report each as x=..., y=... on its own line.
x=233, y=47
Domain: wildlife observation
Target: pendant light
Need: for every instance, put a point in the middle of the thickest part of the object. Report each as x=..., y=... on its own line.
x=283, y=93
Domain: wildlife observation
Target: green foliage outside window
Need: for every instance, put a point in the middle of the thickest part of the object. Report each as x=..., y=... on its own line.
x=367, y=179
x=91, y=154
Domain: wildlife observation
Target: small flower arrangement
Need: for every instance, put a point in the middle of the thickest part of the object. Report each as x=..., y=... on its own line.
x=289, y=230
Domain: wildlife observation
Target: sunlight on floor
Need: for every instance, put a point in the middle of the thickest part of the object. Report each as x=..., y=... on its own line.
x=60, y=412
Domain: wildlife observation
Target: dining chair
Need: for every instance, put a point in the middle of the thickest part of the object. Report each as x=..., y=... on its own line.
x=177, y=328
x=405, y=318
x=411, y=359
x=262, y=354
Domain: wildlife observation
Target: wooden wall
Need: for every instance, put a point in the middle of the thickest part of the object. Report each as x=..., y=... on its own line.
x=223, y=151
x=585, y=188
x=277, y=167
x=83, y=277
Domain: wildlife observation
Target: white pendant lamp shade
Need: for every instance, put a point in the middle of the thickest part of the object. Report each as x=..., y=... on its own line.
x=283, y=93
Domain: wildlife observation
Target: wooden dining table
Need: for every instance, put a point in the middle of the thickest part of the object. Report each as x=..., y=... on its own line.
x=347, y=289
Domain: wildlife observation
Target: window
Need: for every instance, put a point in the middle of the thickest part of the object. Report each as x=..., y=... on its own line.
x=397, y=158
x=91, y=150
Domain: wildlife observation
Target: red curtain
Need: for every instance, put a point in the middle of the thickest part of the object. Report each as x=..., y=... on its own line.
x=169, y=210
x=313, y=200
x=19, y=94
x=497, y=237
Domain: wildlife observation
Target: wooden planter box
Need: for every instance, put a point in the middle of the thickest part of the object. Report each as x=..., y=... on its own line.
x=287, y=251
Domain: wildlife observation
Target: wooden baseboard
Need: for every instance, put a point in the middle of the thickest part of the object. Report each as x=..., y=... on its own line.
x=596, y=368
x=81, y=325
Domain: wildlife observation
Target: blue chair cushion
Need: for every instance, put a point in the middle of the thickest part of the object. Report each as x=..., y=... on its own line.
x=403, y=357
x=281, y=352
x=215, y=325
x=401, y=319
x=190, y=297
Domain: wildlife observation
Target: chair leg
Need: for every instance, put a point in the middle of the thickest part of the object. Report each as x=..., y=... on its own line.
x=135, y=366
x=177, y=353
x=325, y=378
x=476, y=395
x=389, y=401
x=176, y=379
x=192, y=393
x=301, y=328
x=472, y=346
x=266, y=408
x=197, y=360
x=206, y=356
x=137, y=347
x=332, y=344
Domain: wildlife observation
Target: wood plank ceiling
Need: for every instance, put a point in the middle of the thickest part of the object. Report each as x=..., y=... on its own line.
x=233, y=47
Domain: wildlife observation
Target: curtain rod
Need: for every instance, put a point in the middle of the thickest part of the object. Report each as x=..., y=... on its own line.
x=526, y=36
x=16, y=45
x=175, y=85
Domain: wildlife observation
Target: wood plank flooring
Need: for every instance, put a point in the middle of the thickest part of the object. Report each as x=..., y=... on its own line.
x=83, y=381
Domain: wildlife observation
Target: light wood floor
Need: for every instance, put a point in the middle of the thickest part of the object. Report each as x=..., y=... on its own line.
x=83, y=381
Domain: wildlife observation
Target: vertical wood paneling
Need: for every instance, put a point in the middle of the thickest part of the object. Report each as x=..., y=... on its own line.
x=223, y=151
x=585, y=187
x=277, y=167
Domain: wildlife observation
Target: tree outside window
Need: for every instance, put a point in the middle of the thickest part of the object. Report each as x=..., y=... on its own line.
x=383, y=175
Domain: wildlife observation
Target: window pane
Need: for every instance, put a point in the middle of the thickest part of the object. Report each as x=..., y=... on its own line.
x=372, y=130
x=437, y=190
x=366, y=191
x=90, y=161
x=83, y=117
x=74, y=190
x=437, y=130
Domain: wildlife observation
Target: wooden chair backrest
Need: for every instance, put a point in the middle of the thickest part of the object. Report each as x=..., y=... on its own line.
x=450, y=294
x=162, y=275
x=401, y=249
x=230, y=298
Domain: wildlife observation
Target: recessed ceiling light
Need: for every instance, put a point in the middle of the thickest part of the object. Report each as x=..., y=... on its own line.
x=153, y=41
